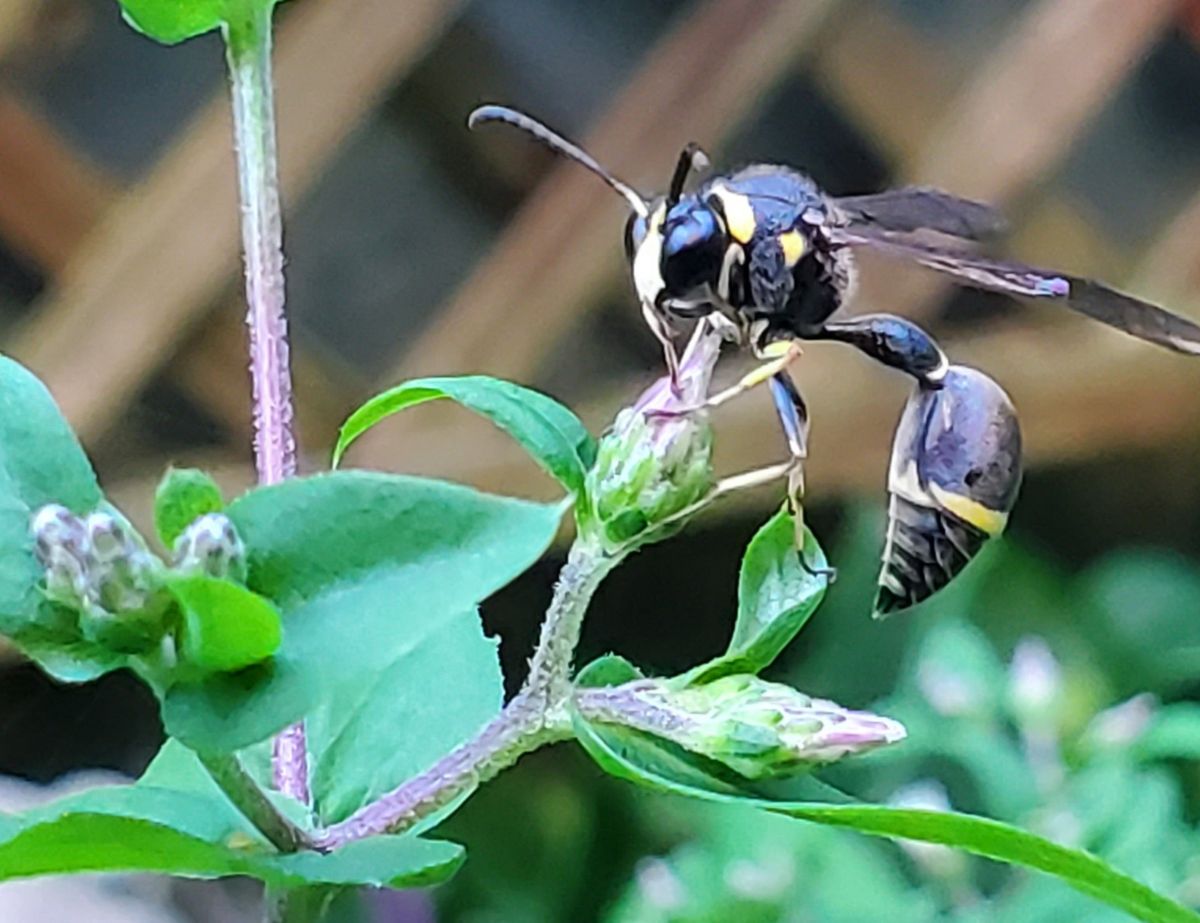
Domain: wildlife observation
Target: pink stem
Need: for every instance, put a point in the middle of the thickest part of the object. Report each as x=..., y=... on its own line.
x=249, y=56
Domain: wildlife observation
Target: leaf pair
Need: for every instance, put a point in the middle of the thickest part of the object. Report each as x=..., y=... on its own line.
x=176, y=821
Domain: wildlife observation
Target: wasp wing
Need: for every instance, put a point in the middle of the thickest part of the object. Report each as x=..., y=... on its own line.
x=1097, y=301
x=918, y=208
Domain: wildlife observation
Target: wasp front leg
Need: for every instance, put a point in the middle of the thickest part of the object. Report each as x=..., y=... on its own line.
x=785, y=353
x=662, y=333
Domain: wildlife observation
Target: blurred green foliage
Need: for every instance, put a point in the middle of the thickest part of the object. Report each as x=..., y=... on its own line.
x=1051, y=700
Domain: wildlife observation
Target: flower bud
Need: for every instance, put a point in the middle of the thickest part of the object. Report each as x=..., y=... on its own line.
x=123, y=574
x=61, y=546
x=757, y=728
x=656, y=461
x=210, y=545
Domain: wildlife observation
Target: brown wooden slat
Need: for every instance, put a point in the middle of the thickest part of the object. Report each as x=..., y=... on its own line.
x=49, y=197
x=160, y=258
x=1019, y=115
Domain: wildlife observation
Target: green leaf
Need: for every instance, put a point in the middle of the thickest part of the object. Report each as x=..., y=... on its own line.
x=183, y=496
x=177, y=822
x=366, y=569
x=621, y=755
x=41, y=461
x=386, y=730
x=776, y=596
x=225, y=626
x=546, y=429
x=173, y=21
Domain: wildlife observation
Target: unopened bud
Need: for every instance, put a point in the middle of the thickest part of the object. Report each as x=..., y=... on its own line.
x=211, y=545
x=757, y=728
x=61, y=546
x=123, y=574
x=656, y=461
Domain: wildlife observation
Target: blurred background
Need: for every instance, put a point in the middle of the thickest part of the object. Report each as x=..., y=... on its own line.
x=1052, y=686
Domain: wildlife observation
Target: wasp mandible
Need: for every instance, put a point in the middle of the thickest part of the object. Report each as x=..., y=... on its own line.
x=768, y=257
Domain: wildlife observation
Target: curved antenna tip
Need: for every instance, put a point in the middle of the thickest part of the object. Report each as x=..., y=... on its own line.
x=487, y=113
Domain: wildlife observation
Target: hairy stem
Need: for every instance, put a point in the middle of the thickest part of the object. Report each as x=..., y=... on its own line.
x=534, y=718
x=549, y=677
x=248, y=42
x=243, y=791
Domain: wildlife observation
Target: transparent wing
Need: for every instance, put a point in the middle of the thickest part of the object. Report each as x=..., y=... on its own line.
x=917, y=208
x=1097, y=301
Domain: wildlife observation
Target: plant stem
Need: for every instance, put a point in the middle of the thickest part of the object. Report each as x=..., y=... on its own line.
x=248, y=44
x=243, y=791
x=534, y=718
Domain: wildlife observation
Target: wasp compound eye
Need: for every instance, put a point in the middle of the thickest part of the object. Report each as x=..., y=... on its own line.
x=693, y=249
x=955, y=471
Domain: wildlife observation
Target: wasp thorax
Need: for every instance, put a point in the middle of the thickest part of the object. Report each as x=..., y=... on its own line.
x=955, y=471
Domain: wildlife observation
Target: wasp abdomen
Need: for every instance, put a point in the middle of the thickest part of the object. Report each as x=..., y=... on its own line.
x=955, y=471
x=925, y=549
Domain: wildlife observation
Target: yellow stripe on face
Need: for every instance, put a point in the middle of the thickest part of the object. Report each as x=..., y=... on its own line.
x=794, y=245
x=972, y=511
x=739, y=214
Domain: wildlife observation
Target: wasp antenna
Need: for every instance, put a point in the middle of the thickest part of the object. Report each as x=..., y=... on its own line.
x=690, y=158
x=561, y=145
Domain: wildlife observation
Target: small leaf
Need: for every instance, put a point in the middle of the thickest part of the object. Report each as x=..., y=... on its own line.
x=365, y=568
x=176, y=821
x=173, y=21
x=225, y=626
x=632, y=757
x=183, y=495
x=546, y=429
x=776, y=597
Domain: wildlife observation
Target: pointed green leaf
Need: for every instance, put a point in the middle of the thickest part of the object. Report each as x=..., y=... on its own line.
x=546, y=429
x=776, y=596
x=225, y=627
x=368, y=570
x=183, y=496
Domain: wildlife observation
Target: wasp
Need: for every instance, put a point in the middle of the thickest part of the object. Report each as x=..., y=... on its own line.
x=767, y=257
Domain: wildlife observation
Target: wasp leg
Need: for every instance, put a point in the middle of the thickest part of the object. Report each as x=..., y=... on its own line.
x=752, y=379
x=895, y=342
x=793, y=417
x=661, y=333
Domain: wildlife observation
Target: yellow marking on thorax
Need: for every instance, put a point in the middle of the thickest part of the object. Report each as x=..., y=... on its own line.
x=794, y=246
x=739, y=214
x=981, y=517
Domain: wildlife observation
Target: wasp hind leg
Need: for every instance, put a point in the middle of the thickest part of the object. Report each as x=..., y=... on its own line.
x=893, y=341
x=793, y=418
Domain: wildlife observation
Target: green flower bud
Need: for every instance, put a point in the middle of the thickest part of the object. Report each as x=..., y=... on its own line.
x=756, y=728
x=210, y=545
x=656, y=461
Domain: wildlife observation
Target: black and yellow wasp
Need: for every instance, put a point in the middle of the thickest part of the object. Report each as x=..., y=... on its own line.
x=768, y=257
